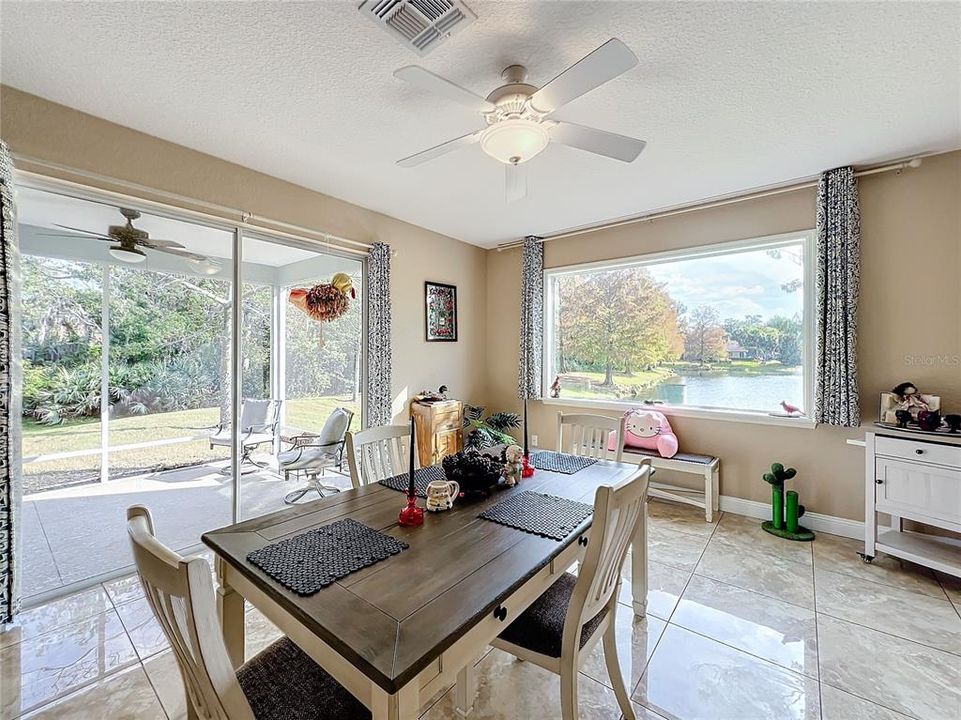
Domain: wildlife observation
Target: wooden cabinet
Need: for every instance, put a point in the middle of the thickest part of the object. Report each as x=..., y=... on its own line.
x=913, y=478
x=439, y=429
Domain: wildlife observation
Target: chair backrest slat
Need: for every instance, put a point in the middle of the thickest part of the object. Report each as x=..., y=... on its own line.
x=181, y=594
x=378, y=453
x=590, y=435
x=617, y=511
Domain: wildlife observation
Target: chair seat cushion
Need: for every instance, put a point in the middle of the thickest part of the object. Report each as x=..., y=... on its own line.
x=541, y=627
x=283, y=683
x=306, y=457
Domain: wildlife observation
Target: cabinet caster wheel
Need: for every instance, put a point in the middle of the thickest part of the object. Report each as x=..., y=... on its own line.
x=866, y=558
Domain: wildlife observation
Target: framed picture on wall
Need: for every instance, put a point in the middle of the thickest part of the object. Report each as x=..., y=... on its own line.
x=441, y=312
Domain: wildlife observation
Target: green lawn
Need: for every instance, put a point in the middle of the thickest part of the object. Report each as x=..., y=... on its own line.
x=301, y=414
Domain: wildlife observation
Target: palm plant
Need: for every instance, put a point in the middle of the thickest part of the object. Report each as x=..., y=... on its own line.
x=492, y=431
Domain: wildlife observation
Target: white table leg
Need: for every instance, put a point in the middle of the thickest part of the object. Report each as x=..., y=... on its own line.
x=230, y=609
x=708, y=495
x=465, y=690
x=402, y=705
x=639, y=565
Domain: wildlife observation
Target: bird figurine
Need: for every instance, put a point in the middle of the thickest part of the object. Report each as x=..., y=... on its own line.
x=791, y=409
x=326, y=301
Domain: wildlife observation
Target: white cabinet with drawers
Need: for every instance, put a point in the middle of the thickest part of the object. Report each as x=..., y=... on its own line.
x=912, y=477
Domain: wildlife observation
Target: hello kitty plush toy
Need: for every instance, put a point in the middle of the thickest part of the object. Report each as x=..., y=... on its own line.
x=648, y=430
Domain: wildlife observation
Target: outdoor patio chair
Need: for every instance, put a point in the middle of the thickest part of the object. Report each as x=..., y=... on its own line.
x=258, y=423
x=312, y=454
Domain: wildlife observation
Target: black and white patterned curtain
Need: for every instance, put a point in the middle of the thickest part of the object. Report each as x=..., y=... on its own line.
x=838, y=284
x=9, y=396
x=378, y=392
x=532, y=319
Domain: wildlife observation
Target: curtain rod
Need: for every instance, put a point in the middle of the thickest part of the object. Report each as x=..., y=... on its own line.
x=719, y=201
x=183, y=203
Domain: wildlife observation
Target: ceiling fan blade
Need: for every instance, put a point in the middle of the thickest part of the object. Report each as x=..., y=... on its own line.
x=600, y=142
x=426, y=80
x=438, y=150
x=81, y=230
x=181, y=253
x=157, y=244
x=73, y=236
x=604, y=64
x=515, y=186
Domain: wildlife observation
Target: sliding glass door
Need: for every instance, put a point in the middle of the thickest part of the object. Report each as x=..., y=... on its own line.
x=301, y=369
x=131, y=322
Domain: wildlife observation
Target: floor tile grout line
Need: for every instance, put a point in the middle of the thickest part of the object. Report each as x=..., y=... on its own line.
x=889, y=634
x=163, y=708
x=872, y=701
x=755, y=591
x=873, y=581
x=667, y=621
x=817, y=633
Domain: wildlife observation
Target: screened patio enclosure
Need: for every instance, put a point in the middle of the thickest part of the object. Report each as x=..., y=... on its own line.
x=129, y=370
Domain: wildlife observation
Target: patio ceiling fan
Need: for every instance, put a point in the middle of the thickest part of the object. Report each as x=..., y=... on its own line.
x=129, y=243
x=518, y=115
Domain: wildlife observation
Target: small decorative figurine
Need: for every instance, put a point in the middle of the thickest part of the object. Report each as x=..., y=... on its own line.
x=791, y=409
x=929, y=420
x=903, y=417
x=784, y=519
x=953, y=421
x=441, y=495
x=556, y=387
x=513, y=464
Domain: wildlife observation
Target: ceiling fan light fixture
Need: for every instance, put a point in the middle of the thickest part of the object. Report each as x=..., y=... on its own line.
x=126, y=255
x=514, y=141
x=205, y=266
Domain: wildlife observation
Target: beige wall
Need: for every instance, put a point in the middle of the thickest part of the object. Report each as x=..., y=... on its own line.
x=40, y=129
x=910, y=308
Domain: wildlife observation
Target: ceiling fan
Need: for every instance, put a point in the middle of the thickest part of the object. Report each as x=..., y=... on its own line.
x=518, y=115
x=129, y=242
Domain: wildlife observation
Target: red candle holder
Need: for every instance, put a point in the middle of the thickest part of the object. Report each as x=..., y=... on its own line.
x=411, y=515
x=528, y=469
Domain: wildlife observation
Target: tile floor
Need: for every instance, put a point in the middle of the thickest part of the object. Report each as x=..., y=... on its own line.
x=741, y=626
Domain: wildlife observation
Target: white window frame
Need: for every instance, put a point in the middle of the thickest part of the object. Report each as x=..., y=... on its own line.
x=805, y=237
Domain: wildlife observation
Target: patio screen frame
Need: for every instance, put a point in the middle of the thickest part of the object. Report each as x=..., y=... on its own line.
x=239, y=232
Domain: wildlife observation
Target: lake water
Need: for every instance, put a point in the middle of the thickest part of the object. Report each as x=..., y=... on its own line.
x=742, y=392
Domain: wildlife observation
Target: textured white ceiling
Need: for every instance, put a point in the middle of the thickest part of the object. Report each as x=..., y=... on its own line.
x=729, y=96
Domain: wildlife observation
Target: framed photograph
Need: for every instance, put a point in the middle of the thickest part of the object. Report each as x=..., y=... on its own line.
x=441, y=312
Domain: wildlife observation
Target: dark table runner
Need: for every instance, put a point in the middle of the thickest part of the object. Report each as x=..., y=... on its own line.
x=539, y=514
x=311, y=561
x=561, y=462
x=422, y=478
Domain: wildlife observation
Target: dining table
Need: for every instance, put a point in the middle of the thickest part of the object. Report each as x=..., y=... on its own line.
x=397, y=632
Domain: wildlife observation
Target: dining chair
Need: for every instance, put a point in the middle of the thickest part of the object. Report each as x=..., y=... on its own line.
x=378, y=453
x=590, y=435
x=279, y=683
x=560, y=628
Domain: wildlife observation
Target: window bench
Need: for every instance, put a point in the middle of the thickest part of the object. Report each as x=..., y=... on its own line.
x=707, y=466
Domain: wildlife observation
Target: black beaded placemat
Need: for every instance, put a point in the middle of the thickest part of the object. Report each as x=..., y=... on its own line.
x=311, y=561
x=561, y=462
x=422, y=478
x=539, y=514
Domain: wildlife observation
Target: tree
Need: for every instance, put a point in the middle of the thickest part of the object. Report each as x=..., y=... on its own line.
x=704, y=337
x=616, y=320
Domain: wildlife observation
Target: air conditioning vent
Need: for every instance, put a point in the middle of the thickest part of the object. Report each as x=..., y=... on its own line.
x=421, y=25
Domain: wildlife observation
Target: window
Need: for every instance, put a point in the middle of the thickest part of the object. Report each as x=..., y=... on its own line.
x=723, y=327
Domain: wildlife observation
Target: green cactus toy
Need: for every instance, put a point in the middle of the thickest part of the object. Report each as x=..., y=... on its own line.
x=784, y=517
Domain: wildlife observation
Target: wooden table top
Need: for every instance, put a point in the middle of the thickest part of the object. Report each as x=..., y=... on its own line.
x=392, y=619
